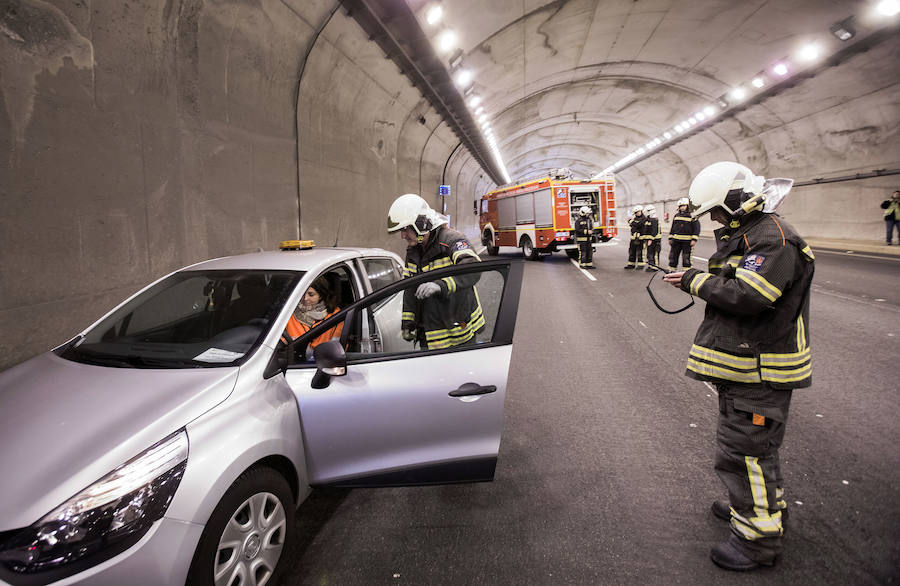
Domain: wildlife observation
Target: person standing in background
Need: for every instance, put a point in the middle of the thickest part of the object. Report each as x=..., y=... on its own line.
x=653, y=237
x=891, y=209
x=636, y=247
x=683, y=236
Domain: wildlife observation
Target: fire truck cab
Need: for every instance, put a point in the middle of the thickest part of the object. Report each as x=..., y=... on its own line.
x=539, y=215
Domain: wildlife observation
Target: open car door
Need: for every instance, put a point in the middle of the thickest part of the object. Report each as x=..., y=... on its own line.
x=379, y=410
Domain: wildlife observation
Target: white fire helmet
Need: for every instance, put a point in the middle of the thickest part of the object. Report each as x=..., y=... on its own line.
x=684, y=202
x=585, y=210
x=410, y=210
x=712, y=185
x=650, y=211
x=636, y=209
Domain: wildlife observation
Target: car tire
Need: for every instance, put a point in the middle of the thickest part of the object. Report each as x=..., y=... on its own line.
x=237, y=542
x=528, y=249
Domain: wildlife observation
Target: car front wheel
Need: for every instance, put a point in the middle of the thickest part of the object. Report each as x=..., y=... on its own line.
x=247, y=533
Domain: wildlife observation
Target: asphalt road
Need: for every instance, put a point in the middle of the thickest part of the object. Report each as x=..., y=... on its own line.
x=605, y=472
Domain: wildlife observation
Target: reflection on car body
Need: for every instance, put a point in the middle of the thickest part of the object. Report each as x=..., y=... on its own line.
x=157, y=431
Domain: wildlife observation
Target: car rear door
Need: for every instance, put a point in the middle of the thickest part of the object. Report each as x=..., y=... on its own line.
x=403, y=414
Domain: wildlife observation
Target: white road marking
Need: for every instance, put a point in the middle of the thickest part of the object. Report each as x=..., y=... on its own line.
x=586, y=274
x=711, y=388
x=706, y=260
x=642, y=323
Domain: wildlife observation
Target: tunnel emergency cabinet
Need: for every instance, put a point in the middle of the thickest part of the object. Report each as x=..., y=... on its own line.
x=539, y=216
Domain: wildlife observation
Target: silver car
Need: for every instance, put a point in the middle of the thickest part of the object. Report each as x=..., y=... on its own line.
x=171, y=441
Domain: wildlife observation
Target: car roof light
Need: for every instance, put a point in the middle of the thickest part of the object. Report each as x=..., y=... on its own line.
x=297, y=244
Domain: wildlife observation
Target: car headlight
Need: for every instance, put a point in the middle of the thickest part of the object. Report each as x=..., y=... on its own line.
x=116, y=510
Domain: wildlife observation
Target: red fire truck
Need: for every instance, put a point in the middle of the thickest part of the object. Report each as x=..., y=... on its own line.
x=539, y=215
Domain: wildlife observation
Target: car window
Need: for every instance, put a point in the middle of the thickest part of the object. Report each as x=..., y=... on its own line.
x=189, y=319
x=381, y=272
x=463, y=315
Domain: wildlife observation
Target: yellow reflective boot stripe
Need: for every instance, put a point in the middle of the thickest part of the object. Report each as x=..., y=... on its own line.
x=755, y=280
x=697, y=282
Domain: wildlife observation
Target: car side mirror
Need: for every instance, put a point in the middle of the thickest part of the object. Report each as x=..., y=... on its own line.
x=278, y=362
x=330, y=361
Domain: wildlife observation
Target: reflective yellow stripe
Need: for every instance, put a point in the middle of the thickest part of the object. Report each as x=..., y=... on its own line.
x=714, y=264
x=451, y=284
x=437, y=264
x=445, y=338
x=722, y=373
x=762, y=286
x=697, y=282
x=681, y=236
x=801, y=333
x=734, y=260
x=808, y=252
x=465, y=252
x=408, y=316
x=787, y=375
x=732, y=360
x=788, y=359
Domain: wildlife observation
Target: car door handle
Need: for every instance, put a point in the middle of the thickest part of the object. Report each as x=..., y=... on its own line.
x=469, y=389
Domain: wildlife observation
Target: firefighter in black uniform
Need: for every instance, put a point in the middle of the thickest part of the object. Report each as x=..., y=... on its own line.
x=584, y=236
x=753, y=344
x=683, y=236
x=652, y=237
x=446, y=312
x=636, y=247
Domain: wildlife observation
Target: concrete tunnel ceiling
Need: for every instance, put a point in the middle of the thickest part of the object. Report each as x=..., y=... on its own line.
x=583, y=83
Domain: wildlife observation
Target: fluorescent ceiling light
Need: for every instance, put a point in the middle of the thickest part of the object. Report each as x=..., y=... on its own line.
x=738, y=93
x=474, y=101
x=692, y=120
x=758, y=82
x=479, y=110
x=668, y=135
x=446, y=41
x=700, y=116
x=434, y=14
x=463, y=78
x=709, y=111
x=809, y=52
x=888, y=7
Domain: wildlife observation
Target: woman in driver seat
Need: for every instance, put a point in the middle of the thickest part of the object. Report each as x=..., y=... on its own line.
x=318, y=303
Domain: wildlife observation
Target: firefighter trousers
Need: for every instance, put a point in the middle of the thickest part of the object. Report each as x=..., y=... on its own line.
x=683, y=248
x=751, y=425
x=585, y=252
x=636, y=253
x=653, y=247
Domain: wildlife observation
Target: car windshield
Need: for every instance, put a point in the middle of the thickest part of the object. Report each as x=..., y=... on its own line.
x=190, y=319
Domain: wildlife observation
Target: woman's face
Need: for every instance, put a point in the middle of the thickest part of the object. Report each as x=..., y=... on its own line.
x=311, y=297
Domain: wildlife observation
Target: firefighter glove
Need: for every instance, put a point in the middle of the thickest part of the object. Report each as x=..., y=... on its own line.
x=408, y=332
x=427, y=290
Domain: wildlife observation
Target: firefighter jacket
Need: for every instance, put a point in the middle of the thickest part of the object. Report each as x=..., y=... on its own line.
x=637, y=227
x=651, y=230
x=684, y=227
x=756, y=325
x=454, y=315
x=584, y=227
x=891, y=209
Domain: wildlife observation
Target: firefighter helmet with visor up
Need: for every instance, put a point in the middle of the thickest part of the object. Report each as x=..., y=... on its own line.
x=728, y=185
x=636, y=209
x=411, y=211
x=585, y=210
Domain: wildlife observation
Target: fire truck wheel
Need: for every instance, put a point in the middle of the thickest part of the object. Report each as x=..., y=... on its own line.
x=528, y=249
x=493, y=250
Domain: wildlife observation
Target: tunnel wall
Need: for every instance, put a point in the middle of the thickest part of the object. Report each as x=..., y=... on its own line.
x=830, y=125
x=142, y=136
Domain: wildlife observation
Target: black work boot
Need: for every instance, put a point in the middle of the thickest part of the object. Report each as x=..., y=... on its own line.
x=730, y=556
x=628, y=267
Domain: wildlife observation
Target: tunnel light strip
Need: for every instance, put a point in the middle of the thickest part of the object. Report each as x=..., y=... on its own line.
x=805, y=57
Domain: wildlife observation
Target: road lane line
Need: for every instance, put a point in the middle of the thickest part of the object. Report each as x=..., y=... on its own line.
x=586, y=274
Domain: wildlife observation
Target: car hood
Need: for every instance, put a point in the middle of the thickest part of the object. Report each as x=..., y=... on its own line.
x=64, y=425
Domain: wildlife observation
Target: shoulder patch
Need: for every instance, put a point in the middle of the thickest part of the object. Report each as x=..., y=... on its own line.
x=753, y=262
x=461, y=245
